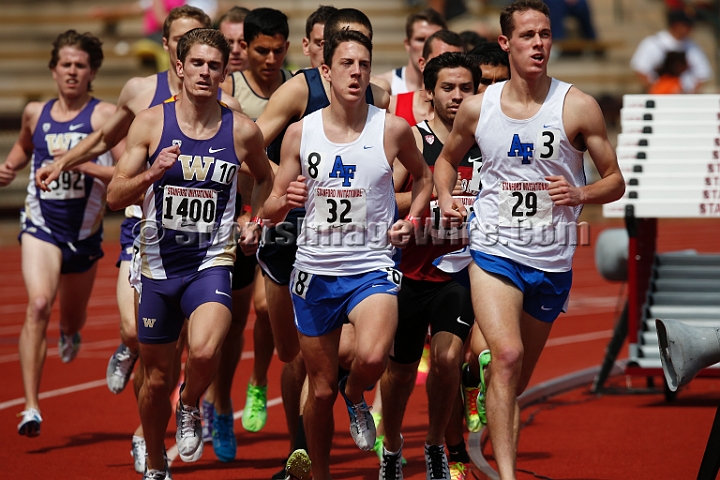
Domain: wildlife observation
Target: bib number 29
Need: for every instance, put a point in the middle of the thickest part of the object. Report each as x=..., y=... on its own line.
x=525, y=205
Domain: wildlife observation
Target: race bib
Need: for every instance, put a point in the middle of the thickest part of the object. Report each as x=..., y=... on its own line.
x=437, y=230
x=189, y=209
x=67, y=186
x=338, y=207
x=524, y=203
x=300, y=282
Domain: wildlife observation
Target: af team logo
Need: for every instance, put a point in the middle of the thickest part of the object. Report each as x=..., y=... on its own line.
x=340, y=170
x=520, y=149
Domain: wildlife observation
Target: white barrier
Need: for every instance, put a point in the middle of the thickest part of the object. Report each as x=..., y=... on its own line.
x=669, y=154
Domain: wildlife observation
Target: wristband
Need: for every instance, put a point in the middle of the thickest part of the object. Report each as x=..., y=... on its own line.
x=257, y=221
x=414, y=220
x=247, y=208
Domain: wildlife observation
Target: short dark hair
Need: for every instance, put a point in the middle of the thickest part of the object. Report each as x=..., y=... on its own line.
x=203, y=36
x=234, y=15
x=342, y=36
x=86, y=42
x=318, y=16
x=427, y=15
x=489, y=53
x=346, y=15
x=507, y=25
x=449, y=60
x=678, y=15
x=445, y=36
x=265, y=21
x=471, y=39
x=185, y=11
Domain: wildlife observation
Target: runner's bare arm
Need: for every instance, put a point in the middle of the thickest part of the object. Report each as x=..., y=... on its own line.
x=289, y=190
x=22, y=150
x=585, y=123
x=251, y=152
x=286, y=104
x=131, y=179
x=458, y=142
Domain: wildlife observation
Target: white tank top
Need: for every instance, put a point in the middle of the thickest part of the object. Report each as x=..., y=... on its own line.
x=515, y=217
x=398, y=84
x=351, y=200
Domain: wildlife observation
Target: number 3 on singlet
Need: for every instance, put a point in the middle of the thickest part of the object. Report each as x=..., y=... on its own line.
x=548, y=143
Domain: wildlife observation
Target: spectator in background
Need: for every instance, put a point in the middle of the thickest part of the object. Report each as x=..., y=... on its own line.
x=651, y=53
x=669, y=74
x=152, y=11
x=579, y=9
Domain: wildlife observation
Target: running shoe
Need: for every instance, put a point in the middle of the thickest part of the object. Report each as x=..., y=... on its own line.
x=138, y=453
x=391, y=465
x=484, y=360
x=158, y=474
x=255, y=413
x=473, y=418
x=208, y=416
x=119, y=368
x=436, y=464
x=30, y=423
x=362, y=426
x=458, y=470
x=68, y=347
x=189, y=431
x=223, y=437
x=298, y=466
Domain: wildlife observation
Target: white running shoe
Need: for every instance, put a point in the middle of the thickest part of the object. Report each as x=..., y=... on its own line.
x=138, y=453
x=189, y=431
x=362, y=426
x=68, y=347
x=30, y=423
x=119, y=369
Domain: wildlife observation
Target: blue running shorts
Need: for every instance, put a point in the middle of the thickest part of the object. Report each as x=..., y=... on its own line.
x=545, y=293
x=323, y=302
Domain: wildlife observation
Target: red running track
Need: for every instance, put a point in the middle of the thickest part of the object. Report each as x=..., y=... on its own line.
x=86, y=430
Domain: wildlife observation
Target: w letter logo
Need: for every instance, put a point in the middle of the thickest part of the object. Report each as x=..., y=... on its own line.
x=195, y=167
x=148, y=322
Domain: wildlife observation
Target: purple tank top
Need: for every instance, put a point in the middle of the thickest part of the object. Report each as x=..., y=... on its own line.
x=192, y=201
x=75, y=199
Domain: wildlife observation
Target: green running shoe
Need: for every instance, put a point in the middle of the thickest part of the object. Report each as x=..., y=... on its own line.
x=255, y=413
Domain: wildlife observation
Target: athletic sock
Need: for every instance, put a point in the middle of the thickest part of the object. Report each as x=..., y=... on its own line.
x=468, y=379
x=458, y=453
x=300, y=440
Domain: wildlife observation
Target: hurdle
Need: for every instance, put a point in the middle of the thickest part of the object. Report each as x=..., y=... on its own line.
x=669, y=154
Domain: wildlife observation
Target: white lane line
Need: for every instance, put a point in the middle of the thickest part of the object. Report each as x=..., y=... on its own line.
x=94, y=321
x=583, y=337
x=172, y=453
x=14, y=357
x=56, y=393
